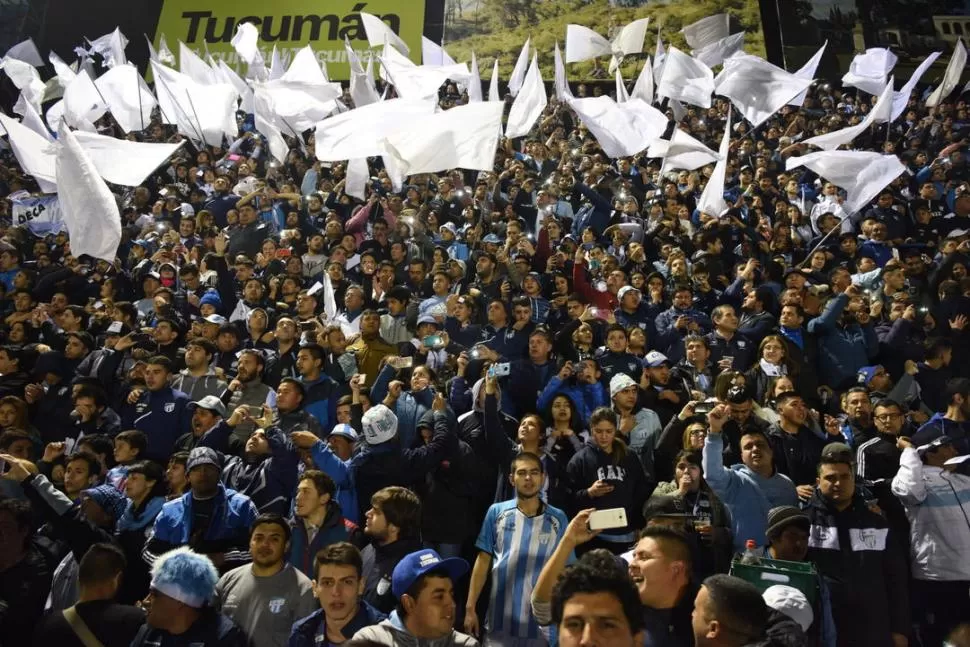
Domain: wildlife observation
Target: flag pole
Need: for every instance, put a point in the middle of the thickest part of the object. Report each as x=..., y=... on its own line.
x=198, y=121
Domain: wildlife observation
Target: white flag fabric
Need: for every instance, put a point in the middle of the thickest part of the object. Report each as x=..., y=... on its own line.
x=246, y=42
x=62, y=69
x=561, y=83
x=685, y=152
x=528, y=104
x=362, y=88
x=31, y=118
x=357, y=176
x=276, y=67
x=807, y=71
x=493, y=92
x=82, y=102
x=191, y=65
x=757, y=88
x=89, y=209
x=621, y=129
x=243, y=89
x=629, y=40
x=870, y=71
x=124, y=162
x=165, y=54
x=621, y=94
x=862, y=174
x=418, y=82
x=475, y=81
x=686, y=79
x=265, y=121
x=643, y=89
x=201, y=112
x=111, y=47
x=360, y=132
x=520, y=69
x=716, y=52
x=378, y=33
x=659, y=55
x=582, y=44
x=678, y=109
x=27, y=52
x=880, y=112
x=25, y=77
x=129, y=99
x=901, y=98
x=463, y=137
x=712, y=200
x=35, y=154
x=951, y=77
x=434, y=54
x=152, y=52
x=707, y=30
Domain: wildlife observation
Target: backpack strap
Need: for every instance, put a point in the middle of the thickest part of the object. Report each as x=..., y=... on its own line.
x=80, y=629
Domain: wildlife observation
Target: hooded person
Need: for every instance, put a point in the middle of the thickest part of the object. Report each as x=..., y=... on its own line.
x=181, y=613
x=789, y=617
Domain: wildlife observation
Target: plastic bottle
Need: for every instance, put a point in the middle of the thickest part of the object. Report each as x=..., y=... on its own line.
x=750, y=555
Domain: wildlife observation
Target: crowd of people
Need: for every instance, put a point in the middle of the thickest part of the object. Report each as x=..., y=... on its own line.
x=287, y=416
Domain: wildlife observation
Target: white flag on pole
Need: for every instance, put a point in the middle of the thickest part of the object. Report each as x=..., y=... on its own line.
x=129, y=99
x=434, y=54
x=528, y=105
x=89, y=209
x=712, y=199
x=31, y=118
x=620, y=128
x=35, y=154
x=683, y=152
x=901, y=98
x=475, y=82
x=27, y=52
x=715, y=53
x=379, y=33
x=686, y=79
x=807, y=71
x=757, y=88
x=111, y=47
x=360, y=132
x=951, y=77
x=643, y=89
x=707, y=30
x=862, y=174
x=493, y=91
x=870, y=71
x=521, y=67
x=582, y=44
x=561, y=84
x=880, y=112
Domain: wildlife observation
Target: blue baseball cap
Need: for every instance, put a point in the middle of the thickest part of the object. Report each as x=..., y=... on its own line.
x=416, y=564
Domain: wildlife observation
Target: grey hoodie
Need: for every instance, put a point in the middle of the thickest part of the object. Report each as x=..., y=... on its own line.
x=393, y=633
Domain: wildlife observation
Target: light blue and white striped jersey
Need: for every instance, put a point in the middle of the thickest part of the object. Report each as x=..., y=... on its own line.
x=520, y=546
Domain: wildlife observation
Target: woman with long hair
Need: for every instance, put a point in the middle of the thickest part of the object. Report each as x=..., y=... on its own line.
x=605, y=474
x=772, y=361
x=564, y=430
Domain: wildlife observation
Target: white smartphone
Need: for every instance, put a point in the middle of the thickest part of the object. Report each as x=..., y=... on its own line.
x=362, y=377
x=606, y=519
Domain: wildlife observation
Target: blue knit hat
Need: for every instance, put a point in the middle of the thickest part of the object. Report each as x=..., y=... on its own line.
x=111, y=500
x=186, y=576
x=213, y=299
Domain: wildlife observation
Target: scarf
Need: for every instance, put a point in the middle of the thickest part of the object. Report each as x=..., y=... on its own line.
x=773, y=370
x=132, y=521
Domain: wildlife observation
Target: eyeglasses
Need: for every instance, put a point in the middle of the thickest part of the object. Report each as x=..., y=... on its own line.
x=886, y=417
x=699, y=432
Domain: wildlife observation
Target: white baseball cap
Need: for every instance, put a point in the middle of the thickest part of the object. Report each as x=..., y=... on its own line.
x=380, y=425
x=792, y=602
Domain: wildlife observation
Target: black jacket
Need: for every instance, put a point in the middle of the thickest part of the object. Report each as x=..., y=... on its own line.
x=379, y=563
x=865, y=569
x=113, y=624
x=797, y=455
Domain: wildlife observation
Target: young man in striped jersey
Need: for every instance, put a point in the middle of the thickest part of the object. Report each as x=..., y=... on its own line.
x=516, y=540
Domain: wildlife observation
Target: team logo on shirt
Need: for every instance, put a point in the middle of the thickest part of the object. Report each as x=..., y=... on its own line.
x=742, y=343
x=169, y=407
x=276, y=605
x=383, y=586
x=632, y=366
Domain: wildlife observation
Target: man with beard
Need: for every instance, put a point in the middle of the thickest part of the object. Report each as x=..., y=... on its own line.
x=370, y=349
x=857, y=406
x=514, y=560
x=249, y=392
x=393, y=524
x=266, y=472
x=796, y=449
x=488, y=283
x=286, y=344
x=197, y=379
x=206, y=414
x=266, y=597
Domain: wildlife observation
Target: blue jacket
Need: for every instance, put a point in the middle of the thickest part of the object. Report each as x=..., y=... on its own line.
x=585, y=397
x=228, y=530
x=342, y=475
x=747, y=495
x=842, y=350
x=595, y=215
x=305, y=631
x=163, y=416
x=408, y=409
x=321, y=400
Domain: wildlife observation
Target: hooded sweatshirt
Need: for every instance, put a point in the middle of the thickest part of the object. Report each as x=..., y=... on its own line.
x=393, y=633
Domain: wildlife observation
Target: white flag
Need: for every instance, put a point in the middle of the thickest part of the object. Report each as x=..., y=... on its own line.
x=715, y=53
x=124, y=162
x=191, y=65
x=901, y=98
x=27, y=52
x=434, y=54
x=246, y=42
x=686, y=79
x=362, y=88
x=202, y=112
x=629, y=40
x=685, y=152
x=521, y=67
x=880, y=112
x=712, y=199
x=111, y=47
x=757, y=88
x=707, y=30
x=870, y=71
x=621, y=94
x=276, y=67
x=89, y=209
x=562, y=84
x=360, y=132
x=357, y=176
x=862, y=174
x=475, y=82
x=35, y=154
x=620, y=128
x=463, y=137
x=643, y=89
x=378, y=33
x=129, y=99
x=951, y=77
x=165, y=55
x=493, y=92
x=582, y=44
x=528, y=105
x=82, y=102
x=659, y=55
x=31, y=118
x=807, y=71
x=25, y=77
